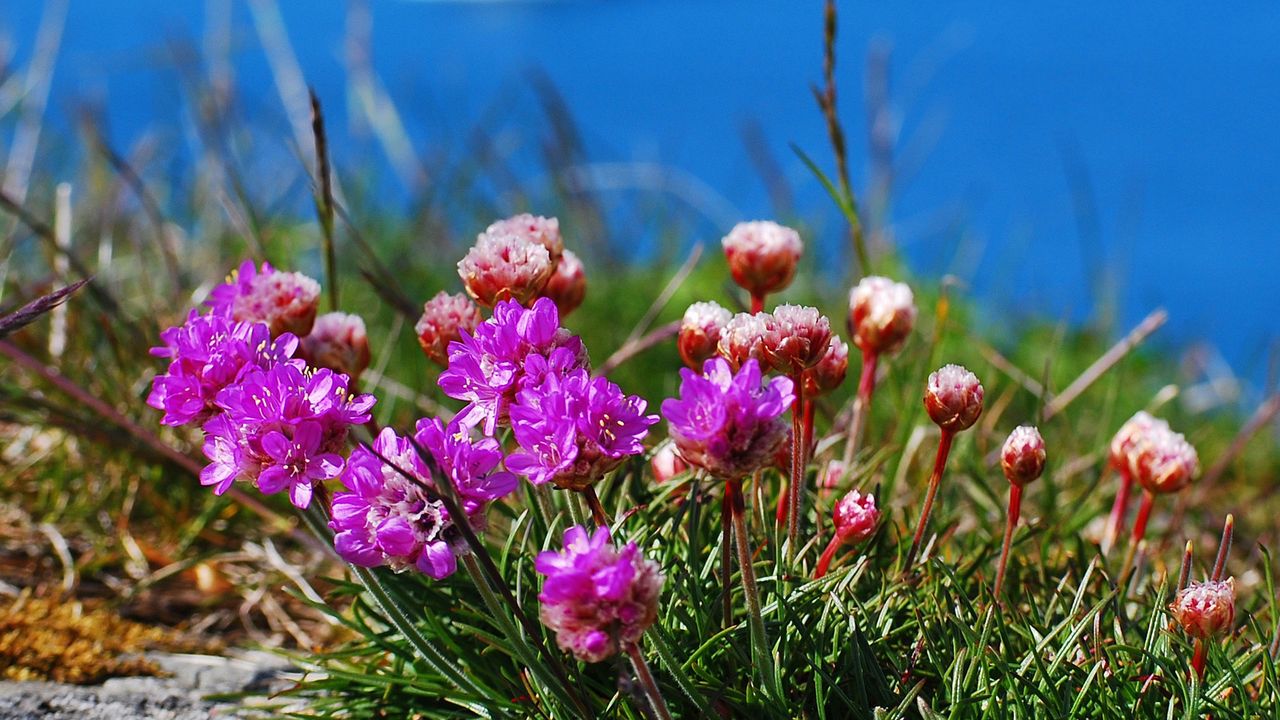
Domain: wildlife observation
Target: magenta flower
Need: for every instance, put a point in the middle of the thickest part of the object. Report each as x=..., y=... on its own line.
x=573, y=429
x=207, y=353
x=285, y=301
x=385, y=518
x=728, y=424
x=511, y=350
x=597, y=598
x=282, y=429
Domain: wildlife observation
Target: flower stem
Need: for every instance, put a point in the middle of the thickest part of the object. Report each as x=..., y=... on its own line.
x=1139, y=532
x=939, y=462
x=828, y=555
x=764, y=661
x=1015, y=509
x=757, y=304
x=1197, y=659
x=598, y=514
x=809, y=409
x=643, y=674
x=1118, y=512
x=797, y=471
x=726, y=555
x=861, y=405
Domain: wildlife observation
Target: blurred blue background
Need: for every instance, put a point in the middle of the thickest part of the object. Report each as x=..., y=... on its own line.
x=1037, y=148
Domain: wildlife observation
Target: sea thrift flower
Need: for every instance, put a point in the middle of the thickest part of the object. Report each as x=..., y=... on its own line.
x=532, y=228
x=727, y=423
x=597, y=598
x=385, y=518
x=1162, y=462
x=856, y=518
x=795, y=338
x=207, y=353
x=281, y=429
x=762, y=257
x=338, y=342
x=1205, y=609
x=1121, y=457
x=953, y=399
x=568, y=284
x=666, y=463
x=574, y=429
x=285, y=301
x=742, y=339
x=881, y=314
x=830, y=371
x=1022, y=459
x=505, y=266
x=700, y=331
x=515, y=348
x=444, y=318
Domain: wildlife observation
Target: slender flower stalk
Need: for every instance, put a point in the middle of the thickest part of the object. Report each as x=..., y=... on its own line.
x=1022, y=459
x=1162, y=462
x=881, y=315
x=953, y=399
x=1127, y=438
x=1207, y=609
x=656, y=702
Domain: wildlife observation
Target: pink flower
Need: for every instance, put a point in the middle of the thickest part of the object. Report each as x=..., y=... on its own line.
x=1163, y=461
x=881, y=314
x=338, y=342
x=742, y=339
x=1204, y=609
x=444, y=318
x=856, y=517
x=1022, y=457
x=666, y=463
x=830, y=370
x=597, y=598
x=568, y=284
x=762, y=256
x=700, y=331
x=285, y=301
x=505, y=266
x=795, y=338
x=953, y=398
x=532, y=228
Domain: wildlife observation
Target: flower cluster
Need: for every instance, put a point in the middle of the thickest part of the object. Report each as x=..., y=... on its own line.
x=504, y=265
x=1151, y=453
x=953, y=398
x=726, y=423
x=285, y=301
x=572, y=429
x=391, y=514
x=795, y=338
x=597, y=598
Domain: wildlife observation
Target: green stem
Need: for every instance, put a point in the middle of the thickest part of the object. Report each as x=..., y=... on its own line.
x=746, y=568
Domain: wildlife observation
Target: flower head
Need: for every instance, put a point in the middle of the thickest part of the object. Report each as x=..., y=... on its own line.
x=700, y=330
x=285, y=301
x=207, y=353
x=572, y=429
x=505, y=266
x=444, y=318
x=830, y=370
x=742, y=339
x=1023, y=455
x=881, y=314
x=727, y=423
x=1163, y=461
x=1204, y=609
x=762, y=255
x=282, y=429
x=597, y=598
x=568, y=284
x=666, y=463
x=796, y=338
x=953, y=398
x=1133, y=433
x=515, y=348
x=532, y=228
x=338, y=342
x=856, y=517
x=386, y=518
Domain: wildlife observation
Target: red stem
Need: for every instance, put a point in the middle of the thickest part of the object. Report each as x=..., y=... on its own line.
x=1144, y=514
x=757, y=304
x=1197, y=659
x=1118, y=512
x=828, y=555
x=598, y=514
x=1015, y=509
x=861, y=405
x=940, y=462
x=797, y=470
x=809, y=409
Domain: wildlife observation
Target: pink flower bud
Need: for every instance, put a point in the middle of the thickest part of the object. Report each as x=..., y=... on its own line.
x=830, y=370
x=856, y=517
x=742, y=339
x=1204, y=609
x=953, y=398
x=881, y=314
x=762, y=255
x=338, y=342
x=667, y=463
x=533, y=228
x=505, y=267
x=700, y=332
x=1164, y=462
x=286, y=301
x=444, y=317
x=1022, y=456
x=795, y=338
x=568, y=284
x=1129, y=436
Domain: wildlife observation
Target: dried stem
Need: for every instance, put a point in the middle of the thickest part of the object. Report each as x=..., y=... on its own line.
x=861, y=405
x=645, y=676
x=940, y=462
x=1119, y=511
x=1149, y=324
x=1015, y=510
x=324, y=198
